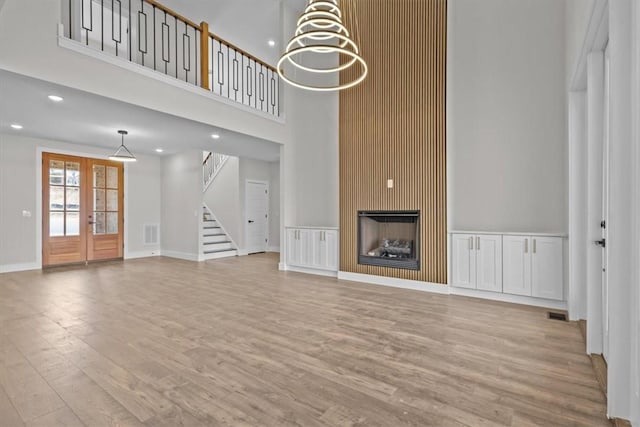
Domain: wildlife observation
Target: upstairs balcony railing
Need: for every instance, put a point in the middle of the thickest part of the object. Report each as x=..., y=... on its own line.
x=149, y=34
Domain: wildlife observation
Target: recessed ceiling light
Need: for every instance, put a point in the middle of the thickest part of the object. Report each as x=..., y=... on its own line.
x=272, y=43
x=16, y=126
x=159, y=150
x=56, y=98
x=215, y=136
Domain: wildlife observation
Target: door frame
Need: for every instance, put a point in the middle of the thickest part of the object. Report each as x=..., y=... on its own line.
x=246, y=218
x=38, y=211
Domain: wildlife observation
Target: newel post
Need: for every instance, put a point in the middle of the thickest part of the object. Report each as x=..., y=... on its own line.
x=204, y=55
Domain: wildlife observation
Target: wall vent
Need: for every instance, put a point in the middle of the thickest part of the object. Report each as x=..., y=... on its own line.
x=557, y=316
x=151, y=234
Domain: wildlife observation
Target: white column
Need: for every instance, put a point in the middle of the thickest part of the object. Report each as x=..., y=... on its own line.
x=577, y=296
x=621, y=228
x=595, y=119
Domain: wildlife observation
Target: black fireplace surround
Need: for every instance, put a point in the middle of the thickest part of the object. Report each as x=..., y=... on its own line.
x=389, y=239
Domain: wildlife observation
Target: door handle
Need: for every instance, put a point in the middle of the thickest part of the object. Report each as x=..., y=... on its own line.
x=526, y=246
x=535, y=246
x=601, y=242
x=251, y=221
x=478, y=243
x=471, y=243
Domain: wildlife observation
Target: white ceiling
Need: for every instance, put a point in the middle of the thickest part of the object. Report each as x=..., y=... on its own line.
x=89, y=119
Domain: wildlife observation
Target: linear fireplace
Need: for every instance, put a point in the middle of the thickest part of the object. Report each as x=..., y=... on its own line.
x=389, y=239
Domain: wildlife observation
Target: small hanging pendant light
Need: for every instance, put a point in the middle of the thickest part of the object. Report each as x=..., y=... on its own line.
x=123, y=154
x=321, y=32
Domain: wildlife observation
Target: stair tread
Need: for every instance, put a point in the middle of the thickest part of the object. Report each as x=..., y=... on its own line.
x=210, y=228
x=213, y=235
x=216, y=251
x=216, y=243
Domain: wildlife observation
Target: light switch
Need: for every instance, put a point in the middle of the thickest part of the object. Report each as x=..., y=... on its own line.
x=389, y=183
x=26, y=214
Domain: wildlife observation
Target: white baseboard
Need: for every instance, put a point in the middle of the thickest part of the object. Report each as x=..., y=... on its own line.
x=306, y=270
x=450, y=290
x=514, y=299
x=273, y=249
x=11, y=268
x=394, y=282
x=141, y=254
x=181, y=255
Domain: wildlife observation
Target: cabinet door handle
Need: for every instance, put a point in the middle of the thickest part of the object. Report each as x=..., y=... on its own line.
x=478, y=243
x=322, y=236
x=471, y=243
x=526, y=246
x=534, y=246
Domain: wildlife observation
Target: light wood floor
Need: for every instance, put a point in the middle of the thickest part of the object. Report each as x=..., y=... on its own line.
x=162, y=342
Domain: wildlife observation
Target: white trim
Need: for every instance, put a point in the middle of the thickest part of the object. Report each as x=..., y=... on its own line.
x=11, y=268
x=148, y=72
x=305, y=270
x=246, y=219
x=394, y=282
x=142, y=254
x=181, y=255
x=513, y=299
x=449, y=130
x=595, y=38
x=273, y=248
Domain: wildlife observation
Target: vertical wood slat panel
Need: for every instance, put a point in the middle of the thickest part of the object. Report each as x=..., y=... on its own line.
x=392, y=126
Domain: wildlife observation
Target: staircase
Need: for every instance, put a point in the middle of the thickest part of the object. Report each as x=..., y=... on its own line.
x=215, y=242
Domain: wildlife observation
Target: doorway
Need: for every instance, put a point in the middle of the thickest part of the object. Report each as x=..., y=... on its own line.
x=257, y=216
x=82, y=209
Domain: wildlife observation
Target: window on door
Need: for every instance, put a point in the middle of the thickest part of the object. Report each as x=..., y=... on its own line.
x=64, y=198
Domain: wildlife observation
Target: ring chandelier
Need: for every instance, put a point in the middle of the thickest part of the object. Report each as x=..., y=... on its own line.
x=320, y=31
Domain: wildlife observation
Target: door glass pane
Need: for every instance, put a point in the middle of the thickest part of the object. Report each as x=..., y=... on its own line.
x=112, y=177
x=56, y=172
x=99, y=225
x=112, y=222
x=98, y=176
x=73, y=174
x=99, y=200
x=56, y=224
x=112, y=200
x=56, y=198
x=73, y=223
x=73, y=198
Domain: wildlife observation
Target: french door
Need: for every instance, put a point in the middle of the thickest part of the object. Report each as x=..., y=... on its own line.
x=83, y=215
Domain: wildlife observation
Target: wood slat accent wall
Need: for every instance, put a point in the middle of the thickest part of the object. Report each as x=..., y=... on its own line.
x=393, y=127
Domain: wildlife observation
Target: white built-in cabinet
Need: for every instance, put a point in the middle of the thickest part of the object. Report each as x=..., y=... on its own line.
x=527, y=265
x=478, y=261
x=312, y=248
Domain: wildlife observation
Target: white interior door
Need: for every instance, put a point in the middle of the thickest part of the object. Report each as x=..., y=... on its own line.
x=605, y=210
x=257, y=216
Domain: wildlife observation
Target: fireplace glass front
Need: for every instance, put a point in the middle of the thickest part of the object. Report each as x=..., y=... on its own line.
x=389, y=239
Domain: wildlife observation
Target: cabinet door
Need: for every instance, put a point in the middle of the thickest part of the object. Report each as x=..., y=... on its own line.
x=292, y=248
x=489, y=262
x=463, y=260
x=318, y=250
x=331, y=245
x=305, y=242
x=547, y=268
x=516, y=263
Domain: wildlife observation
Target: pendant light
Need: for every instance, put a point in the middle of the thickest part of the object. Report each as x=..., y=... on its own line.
x=122, y=154
x=320, y=34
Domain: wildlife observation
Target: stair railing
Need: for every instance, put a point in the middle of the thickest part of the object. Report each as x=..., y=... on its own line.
x=211, y=166
x=150, y=34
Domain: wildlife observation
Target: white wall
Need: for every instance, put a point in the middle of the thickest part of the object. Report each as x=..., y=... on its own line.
x=181, y=204
x=577, y=14
x=507, y=123
x=19, y=169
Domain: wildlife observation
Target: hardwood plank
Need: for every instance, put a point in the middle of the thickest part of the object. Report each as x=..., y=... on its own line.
x=162, y=342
